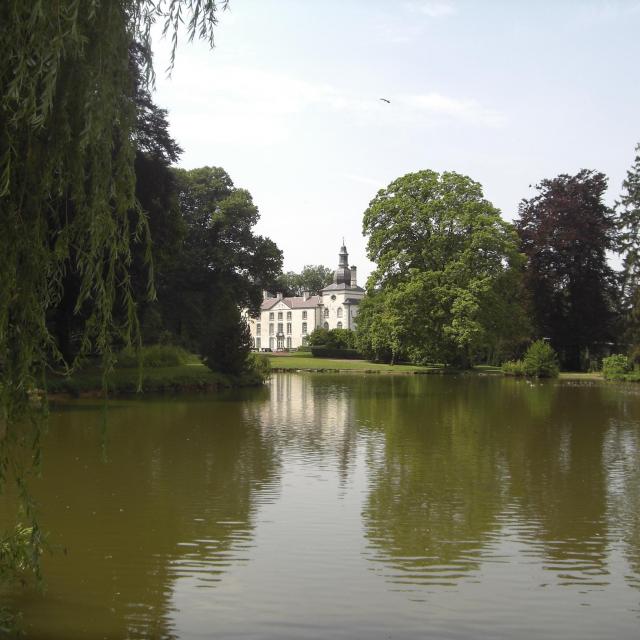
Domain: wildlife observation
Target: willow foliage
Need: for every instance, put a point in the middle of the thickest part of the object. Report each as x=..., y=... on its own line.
x=67, y=182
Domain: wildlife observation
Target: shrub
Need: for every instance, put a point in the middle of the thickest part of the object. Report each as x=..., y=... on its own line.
x=333, y=338
x=157, y=355
x=259, y=366
x=331, y=352
x=319, y=336
x=513, y=368
x=615, y=366
x=541, y=361
x=226, y=344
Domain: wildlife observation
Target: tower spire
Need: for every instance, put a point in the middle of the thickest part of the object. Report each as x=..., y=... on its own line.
x=342, y=274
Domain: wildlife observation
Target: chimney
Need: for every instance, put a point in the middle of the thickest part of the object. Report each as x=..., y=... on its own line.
x=279, y=296
x=305, y=296
x=354, y=273
x=265, y=294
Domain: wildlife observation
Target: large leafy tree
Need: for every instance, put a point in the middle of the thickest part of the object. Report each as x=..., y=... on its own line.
x=446, y=285
x=565, y=232
x=628, y=209
x=223, y=266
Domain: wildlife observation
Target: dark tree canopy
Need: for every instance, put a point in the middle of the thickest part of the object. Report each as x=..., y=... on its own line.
x=222, y=267
x=628, y=209
x=68, y=128
x=565, y=232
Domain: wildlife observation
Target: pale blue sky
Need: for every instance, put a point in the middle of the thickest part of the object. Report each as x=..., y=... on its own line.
x=508, y=93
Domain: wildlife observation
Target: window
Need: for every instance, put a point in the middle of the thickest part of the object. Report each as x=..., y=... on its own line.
x=304, y=327
x=258, y=344
x=279, y=315
x=326, y=325
x=271, y=343
x=280, y=327
x=271, y=316
x=339, y=312
x=258, y=328
x=326, y=313
x=288, y=315
x=271, y=328
x=288, y=327
x=288, y=343
x=339, y=325
x=304, y=315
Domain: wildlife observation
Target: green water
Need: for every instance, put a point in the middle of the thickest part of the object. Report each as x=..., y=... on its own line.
x=347, y=506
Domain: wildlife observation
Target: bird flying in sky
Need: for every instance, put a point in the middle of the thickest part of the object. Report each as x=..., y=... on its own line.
x=385, y=100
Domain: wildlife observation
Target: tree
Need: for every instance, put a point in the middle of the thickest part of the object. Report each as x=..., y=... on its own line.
x=157, y=196
x=446, y=283
x=67, y=184
x=565, y=232
x=222, y=267
x=628, y=223
x=312, y=278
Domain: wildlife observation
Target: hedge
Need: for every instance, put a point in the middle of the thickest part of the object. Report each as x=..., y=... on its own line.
x=322, y=351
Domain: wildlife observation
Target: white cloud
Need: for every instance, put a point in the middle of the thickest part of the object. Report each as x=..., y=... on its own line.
x=250, y=106
x=468, y=111
x=432, y=8
x=370, y=182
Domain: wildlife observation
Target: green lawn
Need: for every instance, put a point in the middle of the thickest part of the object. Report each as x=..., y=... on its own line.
x=295, y=361
x=579, y=375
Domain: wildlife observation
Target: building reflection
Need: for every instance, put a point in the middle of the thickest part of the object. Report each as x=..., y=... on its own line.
x=311, y=418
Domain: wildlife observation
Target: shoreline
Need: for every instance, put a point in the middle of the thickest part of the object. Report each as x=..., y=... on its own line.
x=196, y=378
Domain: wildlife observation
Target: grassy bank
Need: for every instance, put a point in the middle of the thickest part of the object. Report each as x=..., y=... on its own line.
x=189, y=377
x=293, y=361
x=303, y=362
x=197, y=377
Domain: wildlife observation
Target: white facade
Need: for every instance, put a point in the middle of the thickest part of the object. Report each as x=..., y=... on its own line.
x=285, y=323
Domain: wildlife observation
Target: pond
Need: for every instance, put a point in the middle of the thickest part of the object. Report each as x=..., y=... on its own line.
x=344, y=506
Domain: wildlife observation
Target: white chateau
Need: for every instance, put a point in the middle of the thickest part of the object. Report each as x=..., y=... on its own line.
x=285, y=323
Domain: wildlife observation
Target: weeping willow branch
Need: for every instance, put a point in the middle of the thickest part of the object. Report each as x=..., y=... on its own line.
x=67, y=182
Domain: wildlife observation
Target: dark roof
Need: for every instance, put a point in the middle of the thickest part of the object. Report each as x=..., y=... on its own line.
x=352, y=300
x=342, y=287
x=297, y=302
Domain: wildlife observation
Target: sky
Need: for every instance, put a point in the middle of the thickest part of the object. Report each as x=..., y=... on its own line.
x=506, y=92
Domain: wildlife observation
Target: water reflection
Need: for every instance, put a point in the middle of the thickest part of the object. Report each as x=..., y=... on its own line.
x=460, y=472
x=311, y=418
x=341, y=497
x=176, y=497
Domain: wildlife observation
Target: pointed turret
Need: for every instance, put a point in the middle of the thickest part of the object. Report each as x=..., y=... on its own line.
x=342, y=274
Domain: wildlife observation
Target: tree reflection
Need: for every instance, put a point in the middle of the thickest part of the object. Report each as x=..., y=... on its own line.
x=177, y=497
x=464, y=460
x=436, y=486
